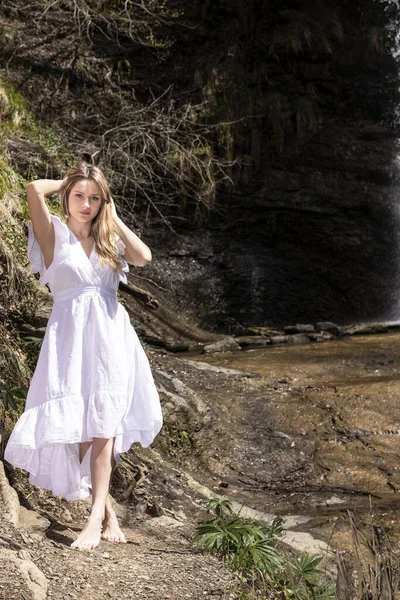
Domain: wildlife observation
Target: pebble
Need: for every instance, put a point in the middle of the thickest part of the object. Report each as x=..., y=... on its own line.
x=67, y=516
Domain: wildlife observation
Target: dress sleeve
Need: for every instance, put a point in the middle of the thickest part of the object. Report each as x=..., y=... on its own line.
x=61, y=250
x=124, y=265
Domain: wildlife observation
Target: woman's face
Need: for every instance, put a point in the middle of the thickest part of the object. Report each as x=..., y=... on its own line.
x=84, y=200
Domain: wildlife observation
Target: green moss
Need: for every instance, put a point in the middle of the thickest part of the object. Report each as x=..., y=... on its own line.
x=13, y=367
x=17, y=102
x=10, y=181
x=176, y=438
x=18, y=120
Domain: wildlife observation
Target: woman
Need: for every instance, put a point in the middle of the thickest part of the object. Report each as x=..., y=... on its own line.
x=92, y=393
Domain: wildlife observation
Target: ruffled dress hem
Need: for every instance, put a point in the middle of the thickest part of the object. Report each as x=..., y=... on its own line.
x=51, y=456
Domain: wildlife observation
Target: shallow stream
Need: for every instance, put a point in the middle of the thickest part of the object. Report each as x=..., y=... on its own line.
x=317, y=434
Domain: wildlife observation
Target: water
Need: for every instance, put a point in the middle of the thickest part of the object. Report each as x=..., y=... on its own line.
x=317, y=433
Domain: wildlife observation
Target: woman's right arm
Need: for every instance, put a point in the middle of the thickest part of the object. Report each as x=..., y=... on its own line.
x=40, y=216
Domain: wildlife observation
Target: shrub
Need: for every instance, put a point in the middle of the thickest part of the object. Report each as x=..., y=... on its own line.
x=251, y=549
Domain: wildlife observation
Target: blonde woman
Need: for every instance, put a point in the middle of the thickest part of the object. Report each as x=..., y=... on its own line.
x=92, y=393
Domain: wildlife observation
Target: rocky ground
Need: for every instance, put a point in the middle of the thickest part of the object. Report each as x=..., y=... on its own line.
x=157, y=562
x=308, y=431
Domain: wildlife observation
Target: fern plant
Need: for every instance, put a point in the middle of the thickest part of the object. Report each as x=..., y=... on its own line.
x=250, y=548
x=303, y=580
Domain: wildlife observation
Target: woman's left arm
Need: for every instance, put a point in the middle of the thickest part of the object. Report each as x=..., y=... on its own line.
x=136, y=252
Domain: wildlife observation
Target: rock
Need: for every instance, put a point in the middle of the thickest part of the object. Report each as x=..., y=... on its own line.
x=203, y=366
x=177, y=347
x=315, y=337
x=226, y=345
x=328, y=326
x=4, y=435
x=141, y=509
x=308, y=328
x=321, y=336
x=24, y=555
x=164, y=521
x=369, y=328
x=180, y=515
x=325, y=335
x=120, y=509
x=299, y=338
x=260, y=332
x=179, y=386
x=155, y=510
x=334, y=500
x=280, y=339
x=67, y=516
x=9, y=503
x=34, y=581
x=252, y=341
x=31, y=519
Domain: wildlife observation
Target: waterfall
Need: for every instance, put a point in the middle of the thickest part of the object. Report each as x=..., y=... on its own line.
x=391, y=9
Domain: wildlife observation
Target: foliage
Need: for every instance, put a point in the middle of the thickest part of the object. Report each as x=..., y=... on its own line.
x=10, y=396
x=177, y=438
x=160, y=153
x=302, y=579
x=250, y=548
x=32, y=345
x=376, y=565
x=143, y=22
x=299, y=32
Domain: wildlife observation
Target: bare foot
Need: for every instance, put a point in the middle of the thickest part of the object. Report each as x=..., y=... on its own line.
x=111, y=530
x=90, y=535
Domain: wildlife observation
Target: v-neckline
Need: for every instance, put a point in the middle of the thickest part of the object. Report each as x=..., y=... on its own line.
x=82, y=248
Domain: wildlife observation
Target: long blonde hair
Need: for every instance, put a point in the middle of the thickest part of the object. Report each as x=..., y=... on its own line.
x=102, y=226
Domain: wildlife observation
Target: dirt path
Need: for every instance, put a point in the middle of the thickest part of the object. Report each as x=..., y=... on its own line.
x=158, y=562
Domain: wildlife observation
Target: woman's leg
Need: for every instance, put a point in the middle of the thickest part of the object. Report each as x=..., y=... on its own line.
x=101, y=459
x=111, y=529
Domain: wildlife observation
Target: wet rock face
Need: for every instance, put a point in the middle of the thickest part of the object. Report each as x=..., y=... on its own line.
x=316, y=239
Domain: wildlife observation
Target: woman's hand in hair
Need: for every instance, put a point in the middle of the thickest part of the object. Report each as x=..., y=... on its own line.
x=113, y=209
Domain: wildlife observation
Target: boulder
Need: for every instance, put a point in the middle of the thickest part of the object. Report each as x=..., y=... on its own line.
x=228, y=344
x=299, y=338
x=164, y=521
x=253, y=341
x=24, y=570
x=327, y=326
x=261, y=331
x=300, y=328
x=280, y=339
x=321, y=336
x=30, y=519
x=9, y=503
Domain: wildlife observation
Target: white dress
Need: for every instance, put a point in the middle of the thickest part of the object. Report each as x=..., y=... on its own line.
x=92, y=378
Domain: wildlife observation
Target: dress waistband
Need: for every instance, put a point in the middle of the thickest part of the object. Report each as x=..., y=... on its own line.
x=87, y=290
